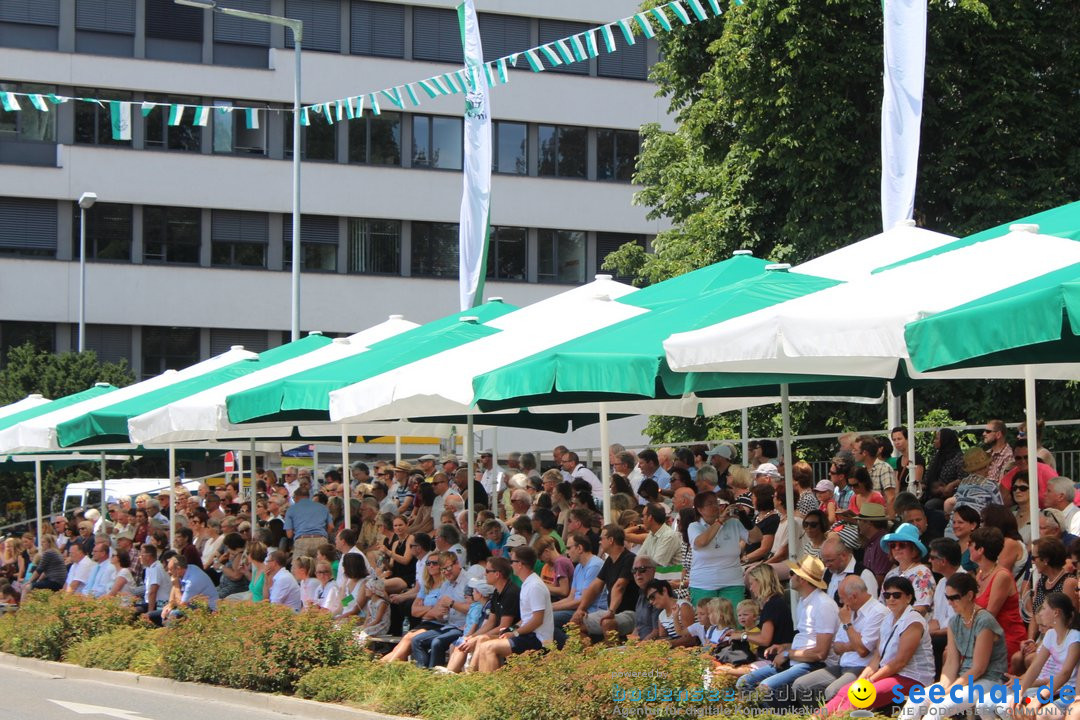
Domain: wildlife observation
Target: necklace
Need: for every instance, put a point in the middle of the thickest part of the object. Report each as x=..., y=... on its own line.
x=983, y=575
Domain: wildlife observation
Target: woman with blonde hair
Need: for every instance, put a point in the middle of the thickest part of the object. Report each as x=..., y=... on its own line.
x=775, y=623
x=12, y=565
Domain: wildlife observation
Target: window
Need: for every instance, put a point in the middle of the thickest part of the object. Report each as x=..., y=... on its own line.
x=376, y=140
x=185, y=137
x=437, y=36
x=27, y=227
x=628, y=61
x=222, y=340
x=510, y=142
x=435, y=249
x=507, y=252
x=112, y=343
x=552, y=30
x=232, y=135
x=437, y=142
x=28, y=136
x=374, y=246
x=318, y=242
x=31, y=24
x=105, y=27
x=607, y=243
x=93, y=123
x=317, y=140
x=377, y=29
x=171, y=235
x=616, y=154
x=239, y=239
x=168, y=348
x=562, y=151
x=15, y=334
x=239, y=41
x=322, y=24
x=561, y=257
x=108, y=232
x=503, y=35
x=174, y=32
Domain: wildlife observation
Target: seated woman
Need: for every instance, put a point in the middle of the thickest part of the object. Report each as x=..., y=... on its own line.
x=775, y=622
x=428, y=606
x=975, y=653
x=676, y=616
x=1048, y=557
x=997, y=589
x=903, y=657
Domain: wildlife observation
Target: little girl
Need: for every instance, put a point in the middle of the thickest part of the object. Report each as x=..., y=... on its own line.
x=376, y=601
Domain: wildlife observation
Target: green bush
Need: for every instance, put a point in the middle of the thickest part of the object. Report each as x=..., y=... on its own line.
x=134, y=649
x=48, y=623
x=259, y=647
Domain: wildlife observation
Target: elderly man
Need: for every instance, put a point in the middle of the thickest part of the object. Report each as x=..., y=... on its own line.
x=307, y=523
x=872, y=527
x=290, y=479
x=521, y=504
x=427, y=466
x=1059, y=495
x=816, y=626
x=284, y=589
x=195, y=586
x=1052, y=524
x=361, y=474
x=448, y=539
x=104, y=574
x=857, y=639
x=156, y=582
x=840, y=564
x=80, y=570
x=662, y=543
x=440, y=481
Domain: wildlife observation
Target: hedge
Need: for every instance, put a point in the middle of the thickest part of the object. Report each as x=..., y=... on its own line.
x=48, y=623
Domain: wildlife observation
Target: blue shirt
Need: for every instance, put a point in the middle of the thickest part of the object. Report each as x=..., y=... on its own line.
x=661, y=478
x=195, y=583
x=583, y=577
x=307, y=517
x=430, y=597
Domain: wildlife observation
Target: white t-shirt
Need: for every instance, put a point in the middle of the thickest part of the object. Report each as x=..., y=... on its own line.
x=942, y=610
x=81, y=572
x=717, y=564
x=816, y=614
x=156, y=575
x=535, y=598
x=1058, y=652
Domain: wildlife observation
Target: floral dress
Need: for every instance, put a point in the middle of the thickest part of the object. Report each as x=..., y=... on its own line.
x=921, y=579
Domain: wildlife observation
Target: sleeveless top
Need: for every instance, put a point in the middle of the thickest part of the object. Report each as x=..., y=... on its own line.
x=1008, y=617
x=667, y=621
x=1042, y=589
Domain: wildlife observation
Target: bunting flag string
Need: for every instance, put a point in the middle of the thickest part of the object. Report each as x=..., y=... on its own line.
x=580, y=47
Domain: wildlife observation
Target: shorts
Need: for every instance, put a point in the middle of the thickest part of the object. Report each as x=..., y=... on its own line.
x=524, y=642
x=624, y=622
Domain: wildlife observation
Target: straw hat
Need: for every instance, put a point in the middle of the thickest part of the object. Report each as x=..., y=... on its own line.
x=811, y=569
x=976, y=459
x=871, y=511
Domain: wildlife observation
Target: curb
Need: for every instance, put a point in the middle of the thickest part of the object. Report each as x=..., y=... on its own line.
x=197, y=691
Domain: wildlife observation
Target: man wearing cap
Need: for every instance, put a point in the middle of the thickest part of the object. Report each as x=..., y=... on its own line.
x=493, y=478
x=839, y=564
x=427, y=466
x=975, y=489
x=450, y=465
x=881, y=473
x=766, y=474
x=649, y=464
x=59, y=524
x=872, y=527
x=399, y=491
x=720, y=457
x=816, y=625
x=307, y=523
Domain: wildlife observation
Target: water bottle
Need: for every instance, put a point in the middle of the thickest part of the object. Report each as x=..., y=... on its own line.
x=405, y=627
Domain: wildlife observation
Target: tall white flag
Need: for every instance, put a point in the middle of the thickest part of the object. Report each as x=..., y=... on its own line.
x=476, y=198
x=901, y=109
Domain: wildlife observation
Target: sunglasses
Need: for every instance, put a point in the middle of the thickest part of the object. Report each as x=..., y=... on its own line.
x=1020, y=457
x=651, y=596
x=952, y=598
x=899, y=545
x=1020, y=488
x=432, y=563
x=892, y=595
x=811, y=525
x=642, y=570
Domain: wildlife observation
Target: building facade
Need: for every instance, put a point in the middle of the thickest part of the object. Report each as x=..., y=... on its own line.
x=189, y=244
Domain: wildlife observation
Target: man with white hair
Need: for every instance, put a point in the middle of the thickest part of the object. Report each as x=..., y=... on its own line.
x=1060, y=492
x=634, y=473
x=840, y=563
x=493, y=477
x=521, y=503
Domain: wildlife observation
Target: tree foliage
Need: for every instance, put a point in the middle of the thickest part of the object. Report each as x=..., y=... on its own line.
x=777, y=150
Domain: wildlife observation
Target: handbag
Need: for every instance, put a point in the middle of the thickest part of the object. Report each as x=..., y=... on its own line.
x=737, y=652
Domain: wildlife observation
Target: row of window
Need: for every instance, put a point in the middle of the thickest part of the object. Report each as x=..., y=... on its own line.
x=174, y=235
x=177, y=33
x=433, y=141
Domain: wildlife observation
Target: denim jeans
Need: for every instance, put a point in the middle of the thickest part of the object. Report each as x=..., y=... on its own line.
x=429, y=648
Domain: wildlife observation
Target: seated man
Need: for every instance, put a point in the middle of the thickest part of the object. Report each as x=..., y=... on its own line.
x=502, y=612
x=616, y=577
x=537, y=627
x=816, y=625
x=284, y=589
x=194, y=587
x=429, y=648
x=586, y=568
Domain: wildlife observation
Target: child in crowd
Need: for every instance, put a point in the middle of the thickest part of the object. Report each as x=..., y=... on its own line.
x=376, y=602
x=747, y=614
x=481, y=594
x=495, y=537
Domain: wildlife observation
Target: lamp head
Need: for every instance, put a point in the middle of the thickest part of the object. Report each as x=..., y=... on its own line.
x=87, y=200
x=201, y=4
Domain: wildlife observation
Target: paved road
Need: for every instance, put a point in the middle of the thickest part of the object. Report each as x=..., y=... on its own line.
x=30, y=695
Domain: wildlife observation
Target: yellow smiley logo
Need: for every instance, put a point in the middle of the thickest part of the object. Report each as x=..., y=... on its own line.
x=861, y=694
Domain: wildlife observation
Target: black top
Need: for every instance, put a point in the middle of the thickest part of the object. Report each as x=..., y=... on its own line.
x=404, y=571
x=778, y=612
x=613, y=571
x=767, y=526
x=508, y=602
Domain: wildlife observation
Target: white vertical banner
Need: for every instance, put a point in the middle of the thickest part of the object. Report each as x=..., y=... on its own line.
x=901, y=108
x=476, y=198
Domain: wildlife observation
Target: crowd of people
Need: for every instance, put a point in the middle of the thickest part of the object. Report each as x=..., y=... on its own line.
x=905, y=574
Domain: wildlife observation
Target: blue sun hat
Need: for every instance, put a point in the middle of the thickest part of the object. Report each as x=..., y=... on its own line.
x=905, y=533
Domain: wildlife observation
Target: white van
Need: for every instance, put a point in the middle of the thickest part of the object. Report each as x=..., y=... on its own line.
x=88, y=494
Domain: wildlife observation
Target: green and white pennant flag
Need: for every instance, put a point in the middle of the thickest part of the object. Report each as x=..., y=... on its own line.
x=10, y=102
x=120, y=114
x=38, y=101
x=251, y=117
x=474, y=226
x=176, y=114
x=202, y=115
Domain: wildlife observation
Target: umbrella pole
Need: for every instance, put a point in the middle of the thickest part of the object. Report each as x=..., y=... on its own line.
x=314, y=468
x=789, y=488
x=346, y=477
x=239, y=474
x=397, y=444
x=605, y=463
x=104, y=508
x=37, y=497
x=915, y=486
x=892, y=409
x=1033, y=461
x=468, y=474
x=254, y=490
x=745, y=435
x=172, y=495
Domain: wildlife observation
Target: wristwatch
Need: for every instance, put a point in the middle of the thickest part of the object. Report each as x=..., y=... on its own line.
x=744, y=636
x=515, y=633
x=846, y=625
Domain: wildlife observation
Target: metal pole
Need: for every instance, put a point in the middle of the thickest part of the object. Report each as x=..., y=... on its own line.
x=469, y=472
x=239, y=475
x=104, y=507
x=254, y=490
x=172, y=495
x=296, y=259
x=605, y=464
x=397, y=446
x=315, y=485
x=1032, y=440
x=914, y=485
x=82, y=278
x=745, y=435
x=892, y=408
x=37, y=497
x=346, y=477
x=789, y=488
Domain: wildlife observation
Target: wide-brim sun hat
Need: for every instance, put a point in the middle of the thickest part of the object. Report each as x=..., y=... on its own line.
x=811, y=569
x=905, y=533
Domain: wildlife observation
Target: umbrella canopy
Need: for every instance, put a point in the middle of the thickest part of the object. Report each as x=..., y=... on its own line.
x=27, y=403
x=39, y=433
x=441, y=383
x=858, y=328
x=34, y=410
x=857, y=259
x=203, y=414
x=1031, y=322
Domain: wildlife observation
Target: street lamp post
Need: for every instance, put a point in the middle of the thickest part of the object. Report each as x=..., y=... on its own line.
x=297, y=27
x=86, y=201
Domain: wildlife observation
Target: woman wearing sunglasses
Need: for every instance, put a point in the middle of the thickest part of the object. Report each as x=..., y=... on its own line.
x=1048, y=557
x=997, y=588
x=903, y=656
x=1021, y=495
x=431, y=605
x=975, y=653
x=907, y=551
